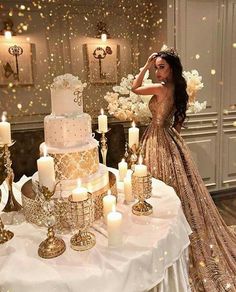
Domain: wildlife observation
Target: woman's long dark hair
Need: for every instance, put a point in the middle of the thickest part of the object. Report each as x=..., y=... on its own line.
x=180, y=93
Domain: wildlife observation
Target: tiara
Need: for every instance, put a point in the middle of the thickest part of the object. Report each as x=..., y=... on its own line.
x=169, y=51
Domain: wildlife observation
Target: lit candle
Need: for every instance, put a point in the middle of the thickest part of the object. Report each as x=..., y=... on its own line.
x=5, y=130
x=109, y=201
x=114, y=228
x=122, y=166
x=80, y=193
x=102, y=122
x=133, y=136
x=140, y=169
x=128, y=189
x=46, y=171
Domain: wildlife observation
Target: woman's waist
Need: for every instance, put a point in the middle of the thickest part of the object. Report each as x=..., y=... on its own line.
x=160, y=122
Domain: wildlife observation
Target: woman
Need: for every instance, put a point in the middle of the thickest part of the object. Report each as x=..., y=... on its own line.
x=213, y=245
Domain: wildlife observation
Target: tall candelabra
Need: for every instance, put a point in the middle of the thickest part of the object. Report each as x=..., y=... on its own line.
x=12, y=204
x=81, y=215
x=104, y=147
x=52, y=246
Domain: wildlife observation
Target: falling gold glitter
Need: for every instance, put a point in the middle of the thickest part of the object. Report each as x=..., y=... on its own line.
x=234, y=45
x=197, y=56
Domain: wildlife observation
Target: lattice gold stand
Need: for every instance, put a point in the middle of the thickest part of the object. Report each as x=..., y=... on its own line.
x=5, y=235
x=104, y=147
x=52, y=246
x=142, y=190
x=12, y=204
x=82, y=213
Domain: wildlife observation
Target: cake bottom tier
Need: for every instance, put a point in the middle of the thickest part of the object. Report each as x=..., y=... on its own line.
x=34, y=213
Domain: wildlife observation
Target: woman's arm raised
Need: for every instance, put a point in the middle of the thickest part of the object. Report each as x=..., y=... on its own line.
x=137, y=83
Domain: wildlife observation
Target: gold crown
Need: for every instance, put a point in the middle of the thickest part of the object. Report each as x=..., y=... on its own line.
x=170, y=51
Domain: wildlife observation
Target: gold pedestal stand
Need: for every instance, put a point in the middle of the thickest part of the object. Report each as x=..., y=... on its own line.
x=5, y=235
x=142, y=190
x=52, y=246
x=82, y=213
x=104, y=147
x=12, y=204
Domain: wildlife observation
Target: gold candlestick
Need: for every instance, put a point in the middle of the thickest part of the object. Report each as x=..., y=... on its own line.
x=12, y=204
x=132, y=154
x=142, y=190
x=5, y=235
x=104, y=147
x=82, y=214
x=52, y=246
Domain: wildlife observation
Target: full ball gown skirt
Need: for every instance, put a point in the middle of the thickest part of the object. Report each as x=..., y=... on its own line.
x=212, y=252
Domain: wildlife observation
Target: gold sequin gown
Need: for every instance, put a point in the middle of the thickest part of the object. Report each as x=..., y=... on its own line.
x=212, y=266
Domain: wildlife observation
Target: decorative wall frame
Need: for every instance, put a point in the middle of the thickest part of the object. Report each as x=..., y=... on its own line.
x=102, y=63
x=15, y=63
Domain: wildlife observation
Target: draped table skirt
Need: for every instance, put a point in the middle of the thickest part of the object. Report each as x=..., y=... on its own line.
x=153, y=256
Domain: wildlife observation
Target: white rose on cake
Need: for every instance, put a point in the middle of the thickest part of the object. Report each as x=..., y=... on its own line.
x=68, y=81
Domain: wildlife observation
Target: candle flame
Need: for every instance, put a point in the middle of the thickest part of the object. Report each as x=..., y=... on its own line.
x=4, y=116
x=78, y=183
x=122, y=160
x=102, y=111
x=109, y=192
x=140, y=160
x=133, y=124
x=103, y=37
x=45, y=152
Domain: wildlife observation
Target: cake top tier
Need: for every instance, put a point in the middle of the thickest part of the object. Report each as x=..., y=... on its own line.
x=66, y=95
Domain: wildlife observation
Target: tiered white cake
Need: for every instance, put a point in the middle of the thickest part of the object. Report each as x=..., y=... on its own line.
x=69, y=139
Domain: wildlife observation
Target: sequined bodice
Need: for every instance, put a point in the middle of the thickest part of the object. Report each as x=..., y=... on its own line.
x=162, y=110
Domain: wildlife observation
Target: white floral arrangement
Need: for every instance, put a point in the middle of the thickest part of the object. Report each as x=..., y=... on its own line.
x=127, y=106
x=68, y=81
x=194, y=84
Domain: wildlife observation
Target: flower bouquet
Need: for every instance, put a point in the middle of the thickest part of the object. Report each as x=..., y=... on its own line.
x=194, y=83
x=127, y=106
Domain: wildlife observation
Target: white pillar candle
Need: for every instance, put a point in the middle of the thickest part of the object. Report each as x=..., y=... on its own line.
x=140, y=170
x=128, y=189
x=79, y=193
x=46, y=172
x=133, y=136
x=5, y=131
x=102, y=122
x=123, y=167
x=109, y=202
x=114, y=229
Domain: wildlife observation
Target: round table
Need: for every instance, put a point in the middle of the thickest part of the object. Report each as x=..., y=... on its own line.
x=153, y=254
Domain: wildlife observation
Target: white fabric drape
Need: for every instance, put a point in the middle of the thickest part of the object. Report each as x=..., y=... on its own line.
x=153, y=252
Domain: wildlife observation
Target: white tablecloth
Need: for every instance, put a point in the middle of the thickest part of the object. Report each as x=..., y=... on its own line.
x=153, y=253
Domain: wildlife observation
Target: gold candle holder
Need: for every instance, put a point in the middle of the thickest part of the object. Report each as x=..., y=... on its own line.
x=104, y=147
x=142, y=190
x=132, y=154
x=12, y=204
x=82, y=214
x=52, y=246
x=5, y=235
